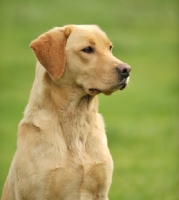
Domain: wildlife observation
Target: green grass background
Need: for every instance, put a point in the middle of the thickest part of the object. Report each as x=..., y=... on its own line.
x=142, y=122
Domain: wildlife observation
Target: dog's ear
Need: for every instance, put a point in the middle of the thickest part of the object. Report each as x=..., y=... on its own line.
x=49, y=49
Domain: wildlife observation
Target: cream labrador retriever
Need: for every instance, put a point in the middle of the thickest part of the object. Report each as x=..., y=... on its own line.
x=62, y=151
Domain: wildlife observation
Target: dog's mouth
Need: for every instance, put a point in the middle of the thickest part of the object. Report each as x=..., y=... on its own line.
x=121, y=86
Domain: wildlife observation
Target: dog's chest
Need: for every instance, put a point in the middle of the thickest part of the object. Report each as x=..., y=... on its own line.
x=78, y=128
x=88, y=165
x=85, y=174
x=86, y=180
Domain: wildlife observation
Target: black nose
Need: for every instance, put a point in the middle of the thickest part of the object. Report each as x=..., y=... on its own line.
x=124, y=70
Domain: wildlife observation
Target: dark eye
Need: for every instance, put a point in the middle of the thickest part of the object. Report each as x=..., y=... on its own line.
x=88, y=50
x=110, y=47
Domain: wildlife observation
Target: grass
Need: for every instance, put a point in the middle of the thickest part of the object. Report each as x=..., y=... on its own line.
x=142, y=121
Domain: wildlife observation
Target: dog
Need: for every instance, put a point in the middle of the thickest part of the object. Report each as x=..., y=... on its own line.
x=62, y=151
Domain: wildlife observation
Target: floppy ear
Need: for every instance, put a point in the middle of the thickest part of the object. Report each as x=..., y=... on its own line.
x=49, y=49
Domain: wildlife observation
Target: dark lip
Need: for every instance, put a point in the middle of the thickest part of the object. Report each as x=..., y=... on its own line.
x=121, y=86
x=94, y=91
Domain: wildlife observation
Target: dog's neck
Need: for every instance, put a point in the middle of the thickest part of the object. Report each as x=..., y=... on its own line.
x=63, y=105
x=61, y=97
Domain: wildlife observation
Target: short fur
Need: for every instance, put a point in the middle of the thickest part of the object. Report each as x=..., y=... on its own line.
x=62, y=151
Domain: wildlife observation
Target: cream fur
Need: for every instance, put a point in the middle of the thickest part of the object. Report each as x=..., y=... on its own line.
x=62, y=151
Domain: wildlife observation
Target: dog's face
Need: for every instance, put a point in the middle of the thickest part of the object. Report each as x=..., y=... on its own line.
x=81, y=55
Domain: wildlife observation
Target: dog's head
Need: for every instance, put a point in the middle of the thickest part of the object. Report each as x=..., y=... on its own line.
x=81, y=55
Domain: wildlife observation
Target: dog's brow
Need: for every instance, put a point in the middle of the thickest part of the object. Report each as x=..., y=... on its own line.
x=92, y=42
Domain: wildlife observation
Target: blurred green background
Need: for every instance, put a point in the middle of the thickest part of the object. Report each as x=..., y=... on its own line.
x=142, y=122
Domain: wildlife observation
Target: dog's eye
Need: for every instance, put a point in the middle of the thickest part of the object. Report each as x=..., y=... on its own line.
x=88, y=50
x=110, y=47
